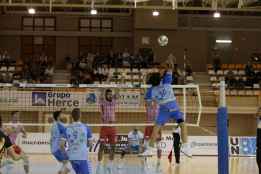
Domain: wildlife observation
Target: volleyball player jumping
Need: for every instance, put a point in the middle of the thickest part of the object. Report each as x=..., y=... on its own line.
x=151, y=113
x=163, y=95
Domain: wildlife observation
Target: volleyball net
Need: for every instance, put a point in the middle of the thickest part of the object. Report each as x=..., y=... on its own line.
x=37, y=102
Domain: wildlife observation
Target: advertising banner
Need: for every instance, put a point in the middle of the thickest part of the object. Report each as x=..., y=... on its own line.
x=201, y=145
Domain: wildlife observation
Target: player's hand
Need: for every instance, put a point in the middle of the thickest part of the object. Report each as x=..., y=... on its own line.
x=24, y=136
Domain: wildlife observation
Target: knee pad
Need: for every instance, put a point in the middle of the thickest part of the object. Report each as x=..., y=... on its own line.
x=180, y=121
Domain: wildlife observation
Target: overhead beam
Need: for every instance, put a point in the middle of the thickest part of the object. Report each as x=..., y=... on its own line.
x=125, y=6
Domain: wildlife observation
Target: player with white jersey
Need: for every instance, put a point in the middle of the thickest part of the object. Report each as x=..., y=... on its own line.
x=13, y=131
x=9, y=149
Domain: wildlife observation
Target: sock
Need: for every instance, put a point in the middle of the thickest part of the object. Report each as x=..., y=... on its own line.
x=26, y=164
x=146, y=144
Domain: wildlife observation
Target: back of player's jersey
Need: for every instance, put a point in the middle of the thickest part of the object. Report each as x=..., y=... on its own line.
x=77, y=135
x=164, y=92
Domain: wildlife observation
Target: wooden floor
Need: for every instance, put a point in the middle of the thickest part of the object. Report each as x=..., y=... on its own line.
x=45, y=164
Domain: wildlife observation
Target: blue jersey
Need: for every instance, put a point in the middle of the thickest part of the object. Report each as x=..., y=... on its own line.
x=148, y=95
x=77, y=135
x=163, y=93
x=57, y=132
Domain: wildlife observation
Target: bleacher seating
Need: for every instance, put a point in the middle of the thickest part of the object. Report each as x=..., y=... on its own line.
x=238, y=72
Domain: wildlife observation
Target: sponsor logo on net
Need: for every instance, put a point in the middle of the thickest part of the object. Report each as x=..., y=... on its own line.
x=58, y=99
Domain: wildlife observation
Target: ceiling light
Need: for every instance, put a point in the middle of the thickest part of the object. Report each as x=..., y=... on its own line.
x=217, y=15
x=94, y=12
x=224, y=41
x=31, y=11
x=155, y=13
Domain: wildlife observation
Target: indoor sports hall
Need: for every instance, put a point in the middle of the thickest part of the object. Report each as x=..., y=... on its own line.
x=161, y=86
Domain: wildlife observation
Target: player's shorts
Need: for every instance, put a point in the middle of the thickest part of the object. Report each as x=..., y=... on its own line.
x=60, y=155
x=169, y=111
x=148, y=132
x=135, y=148
x=108, y=135
x=81, y=166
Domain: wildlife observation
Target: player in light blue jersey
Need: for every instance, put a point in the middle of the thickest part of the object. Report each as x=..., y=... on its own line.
x=57, y=135
x=163, y=95
x=77, y=136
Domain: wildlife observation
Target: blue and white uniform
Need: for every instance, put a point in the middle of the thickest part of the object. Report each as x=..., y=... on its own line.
x=77, y=135
x=57, y=133
x=163, y=94
x=134, y=139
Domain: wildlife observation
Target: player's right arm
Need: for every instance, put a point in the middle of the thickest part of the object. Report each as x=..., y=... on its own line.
x=129, y=142
x=62, y=131
x=89, y=136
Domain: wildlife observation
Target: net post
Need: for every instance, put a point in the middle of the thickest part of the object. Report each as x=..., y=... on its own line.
x=222, y=132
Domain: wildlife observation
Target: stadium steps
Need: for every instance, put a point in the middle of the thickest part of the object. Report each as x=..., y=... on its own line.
x=61, y=76
x=202, y=78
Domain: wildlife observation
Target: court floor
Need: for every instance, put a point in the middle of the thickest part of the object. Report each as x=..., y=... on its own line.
x=45, y=164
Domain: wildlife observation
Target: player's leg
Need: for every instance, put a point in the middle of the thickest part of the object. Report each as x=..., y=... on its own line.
x=84, y=167
x=176, y=144
x=179, y=117
x=184, y=132
x=99, y=167
x=26, y=163
x=112, y=138
x=101, y=151
x=65, y=168
x=62, y=157
x=25, y=159
x=111, y=152
x=258, y=159
x=76, y=166
x=159, y=151
x=155, y=132
x=162, y=118
x=147, y=135
x=102, y=141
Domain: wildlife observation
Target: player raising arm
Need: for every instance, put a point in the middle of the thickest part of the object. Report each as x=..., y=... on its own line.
x=163, y=95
